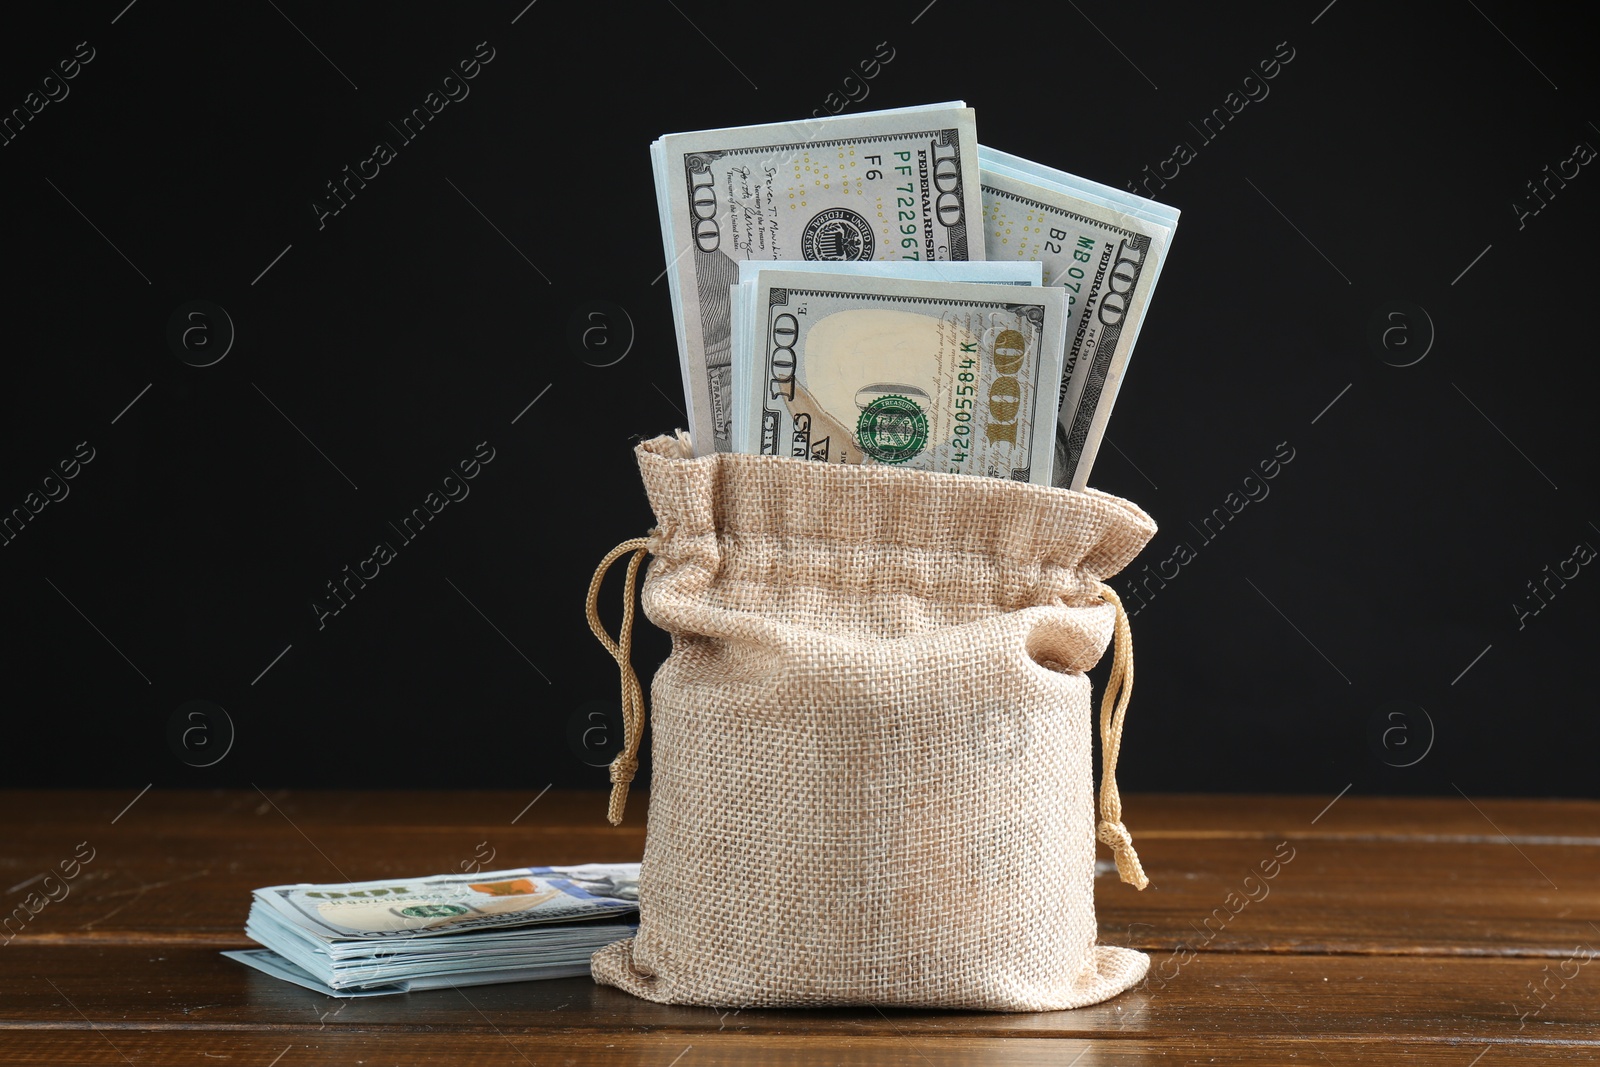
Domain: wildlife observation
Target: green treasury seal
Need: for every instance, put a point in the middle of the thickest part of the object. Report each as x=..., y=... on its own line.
x=892, y=429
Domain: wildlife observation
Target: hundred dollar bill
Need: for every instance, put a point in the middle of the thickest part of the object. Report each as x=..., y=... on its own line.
x=450, y=903
x=960, y=377
x=1106, y=247
x=889, y=185
x=1016, y=272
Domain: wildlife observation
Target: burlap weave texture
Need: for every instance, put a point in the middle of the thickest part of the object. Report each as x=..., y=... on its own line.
x=872, y=777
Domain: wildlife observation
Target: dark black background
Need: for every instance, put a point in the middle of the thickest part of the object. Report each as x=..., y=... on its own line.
x=1359, y=618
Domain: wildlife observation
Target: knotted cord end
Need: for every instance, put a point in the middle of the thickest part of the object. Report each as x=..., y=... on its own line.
x=623, y=769
x=1113, y=710
x=1129, y=869
x=626, y=763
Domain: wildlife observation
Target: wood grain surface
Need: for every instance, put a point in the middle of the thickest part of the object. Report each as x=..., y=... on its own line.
x=1430, y=931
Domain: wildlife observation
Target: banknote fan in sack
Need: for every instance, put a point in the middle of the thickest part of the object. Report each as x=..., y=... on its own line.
x=896, y=346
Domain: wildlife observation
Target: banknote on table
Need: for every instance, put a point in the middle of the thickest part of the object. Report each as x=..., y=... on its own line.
x=959, y=377
x=1106, y=247
x=889, y=185
x=398, y=935
x=1015, y=272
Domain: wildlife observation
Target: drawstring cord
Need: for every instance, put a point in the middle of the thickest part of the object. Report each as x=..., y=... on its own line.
x=1113, y=709
x=626, y=762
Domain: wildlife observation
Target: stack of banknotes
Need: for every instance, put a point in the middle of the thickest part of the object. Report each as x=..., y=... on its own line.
x=367, y=939
x=880, y=288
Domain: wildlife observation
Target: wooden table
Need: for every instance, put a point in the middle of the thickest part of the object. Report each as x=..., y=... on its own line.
x=1437, y=931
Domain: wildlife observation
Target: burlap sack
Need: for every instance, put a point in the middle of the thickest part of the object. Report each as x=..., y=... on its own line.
x=872, y=779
